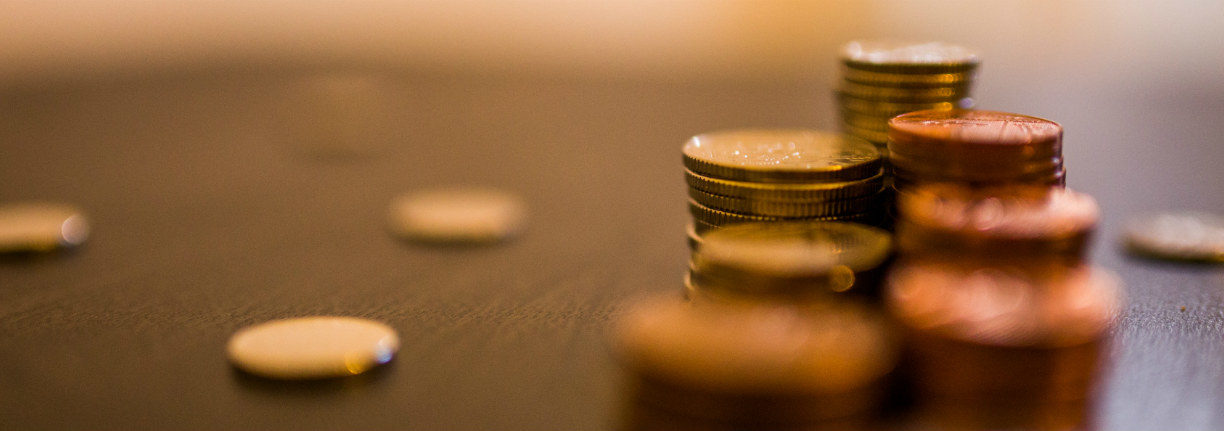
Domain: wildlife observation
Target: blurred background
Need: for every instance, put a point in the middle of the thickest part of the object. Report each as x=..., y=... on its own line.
x=167, y=121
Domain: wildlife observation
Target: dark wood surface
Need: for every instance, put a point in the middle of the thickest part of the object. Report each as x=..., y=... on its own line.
x=210, y=214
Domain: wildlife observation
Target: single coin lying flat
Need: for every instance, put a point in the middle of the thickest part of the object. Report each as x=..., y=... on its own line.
x=457, y=215
x=312, y=347
x=41, y=226
x=1195, y=236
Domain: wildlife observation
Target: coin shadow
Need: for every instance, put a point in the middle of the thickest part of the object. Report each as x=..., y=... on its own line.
x=311, y=388
x=23, y=257
x=1156, y=261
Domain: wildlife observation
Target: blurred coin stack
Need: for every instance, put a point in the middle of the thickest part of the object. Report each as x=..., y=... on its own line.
x=883, y=79
x=743, y=176
x=974, y=148
x=1005, y=322
x=789, y=261
x=752, y=365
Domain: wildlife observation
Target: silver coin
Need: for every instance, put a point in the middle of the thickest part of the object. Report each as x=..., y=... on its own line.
x=41, y=226
x=312, y=347
x=1190, y=235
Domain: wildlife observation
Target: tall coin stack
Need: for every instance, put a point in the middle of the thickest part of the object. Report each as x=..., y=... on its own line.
x=883, y=79
x=744, y=176
x=788, y=261
x=752, y=365
x=1005, y=322
x=974, y=148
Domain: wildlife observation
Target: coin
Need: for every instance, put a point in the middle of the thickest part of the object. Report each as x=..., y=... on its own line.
x=312, y=347
x=714, y=217
x=1006, y=222
x=787, y=208
x=905, y=95
x=790, y=258
x=755, y=348
x=1188, y=235
x=1002, y=133
x=780, y=156
x=980, y=332
x=876, y=137
x=907, y=80
x=806, y=192
x=891, y=56
x=694, y=238
x=457, y=215
x=41, y=227
x=888, y=109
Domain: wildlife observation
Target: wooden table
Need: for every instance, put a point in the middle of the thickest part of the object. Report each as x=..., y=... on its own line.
x=211, y=213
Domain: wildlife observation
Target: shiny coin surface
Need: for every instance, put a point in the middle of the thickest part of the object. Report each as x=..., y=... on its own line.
x=780, y=155
x=41, y=226
x=908, y=57
x=1195, y=236
x=973, y=132
x=459, y=215
x=312, y=347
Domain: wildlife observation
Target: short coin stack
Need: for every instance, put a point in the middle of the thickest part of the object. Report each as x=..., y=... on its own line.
x=774, y=175
x=794, y=261
x=974, y=148
x=1005, y=322
x=752, y=365
x=883, y=79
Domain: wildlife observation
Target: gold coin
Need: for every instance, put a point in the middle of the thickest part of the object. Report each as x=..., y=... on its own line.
x=721, y=218
x=919, y=80
x=854, y=245
x=884, y=108
x=874, y=123
x=780, y=155
x=890, y=56
x=877, y=138
x=694, y=238
x=787, y=192
x=912, y=95
x=755, y=348
x=778, y=208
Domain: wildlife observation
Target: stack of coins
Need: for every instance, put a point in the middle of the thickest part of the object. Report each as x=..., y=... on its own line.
x=976, y=148
x=774, y=175
x=1005, y=320
x=752, y=365
x=788, y=260
x=883, y=79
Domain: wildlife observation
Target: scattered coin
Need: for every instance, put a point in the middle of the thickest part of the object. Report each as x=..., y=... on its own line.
x=1192, y=236
x=41, y=227
x=312, y=347
x=460, y=215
